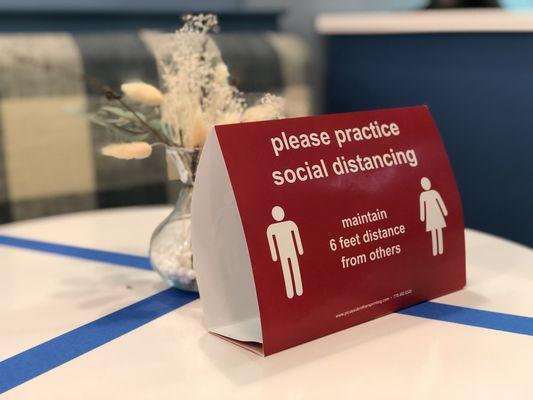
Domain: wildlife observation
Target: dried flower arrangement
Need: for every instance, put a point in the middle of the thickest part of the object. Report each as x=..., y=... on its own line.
x=196, y=94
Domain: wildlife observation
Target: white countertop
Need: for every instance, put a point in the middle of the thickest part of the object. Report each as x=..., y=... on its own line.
x=44, y=295
x=426, y=21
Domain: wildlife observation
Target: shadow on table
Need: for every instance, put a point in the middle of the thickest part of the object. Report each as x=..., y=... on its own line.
x=243, y=367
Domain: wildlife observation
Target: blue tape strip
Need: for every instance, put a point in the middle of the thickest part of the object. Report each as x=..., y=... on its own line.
x=126, y=260
x=51, y=354
x=473, y=317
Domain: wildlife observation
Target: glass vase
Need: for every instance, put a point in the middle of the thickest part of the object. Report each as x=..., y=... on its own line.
x=170, y=246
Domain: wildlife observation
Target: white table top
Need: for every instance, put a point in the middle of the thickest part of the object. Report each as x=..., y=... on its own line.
x=426, y=21
x=44, y=295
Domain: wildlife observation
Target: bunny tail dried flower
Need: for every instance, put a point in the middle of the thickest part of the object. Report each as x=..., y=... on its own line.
x=143, y=93
x=128, y=151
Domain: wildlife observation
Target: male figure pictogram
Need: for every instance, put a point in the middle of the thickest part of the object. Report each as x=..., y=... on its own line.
x=285, y=244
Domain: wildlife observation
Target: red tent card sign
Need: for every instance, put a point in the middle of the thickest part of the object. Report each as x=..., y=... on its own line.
x=306, y=226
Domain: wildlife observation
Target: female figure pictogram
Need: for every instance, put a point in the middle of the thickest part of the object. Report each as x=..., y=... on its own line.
x=432, y=211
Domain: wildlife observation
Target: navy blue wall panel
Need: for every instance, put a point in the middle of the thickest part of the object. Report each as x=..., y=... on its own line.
x=479, y=87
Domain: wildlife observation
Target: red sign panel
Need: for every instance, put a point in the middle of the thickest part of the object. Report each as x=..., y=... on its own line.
x=346, y=217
